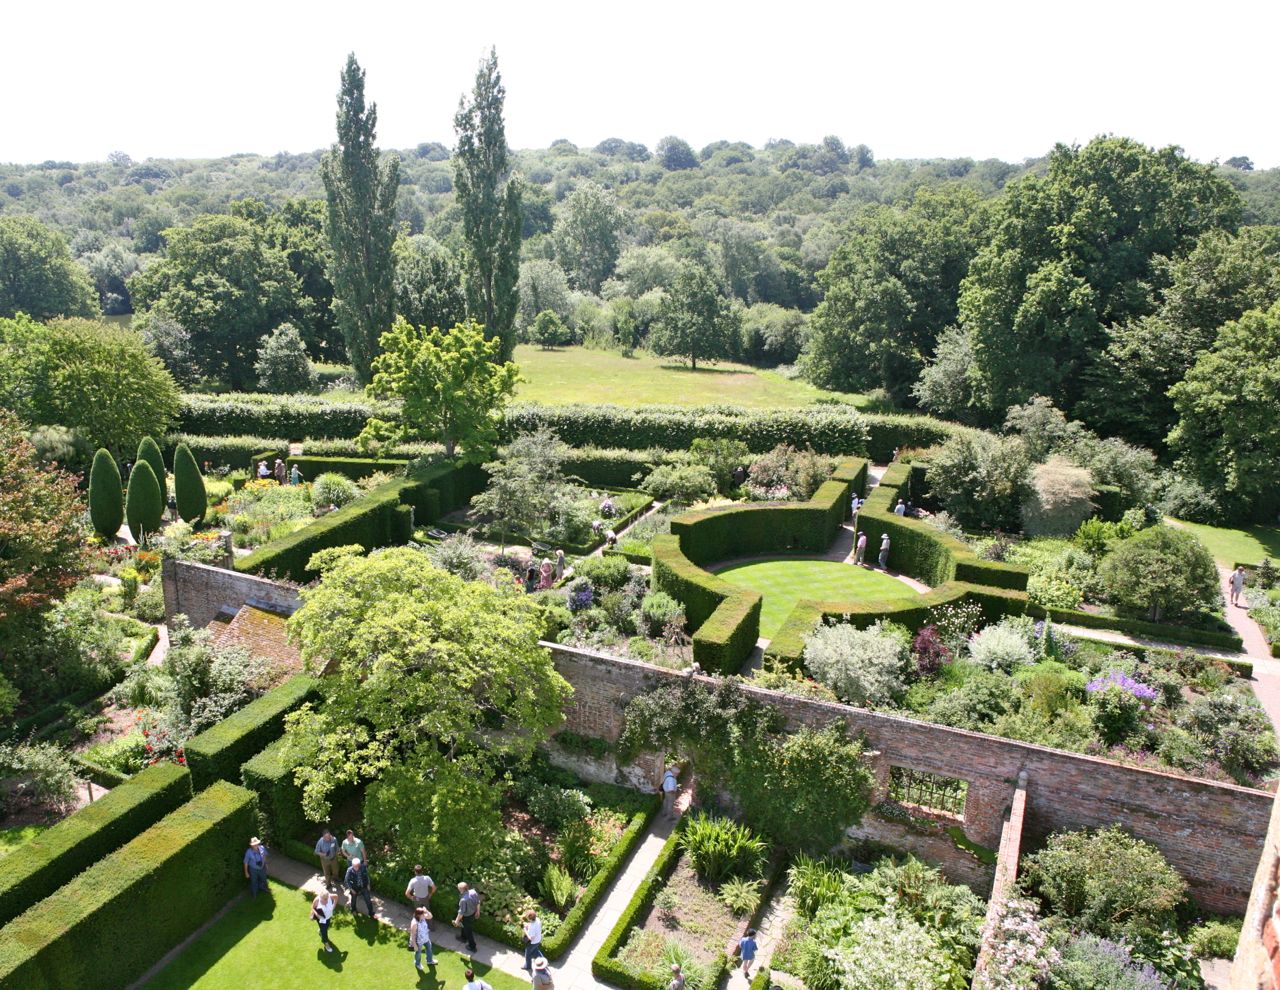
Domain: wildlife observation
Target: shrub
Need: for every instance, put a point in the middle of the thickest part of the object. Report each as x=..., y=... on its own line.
x=44, y=774
x=879, y=951
x=1060, y=499
x=1162, y=572
x=143, y=504
x=863, y=666
x=149, y=451
x=814, y=882
x=719, y=848
x=1090, y=963
x=188, y=485
x=740, y=896
x=282, y=363
x=657, y=611
x=559, y=888
x=981, y=480
x=785, y=472
x=604, y=573
x=1235, y=732
x=555, y=806
x=1094, y=536
x=1117, y=706
x=334, y=489
x=1021, y=955
x=1001, y=647
x=1107, y=882
x=459, y=554
x=1184, y=498
x=547, y=330
x=1215, y=938
x=682, y=484
x=106, y=499
x=929, y=651
x=1053, y=591
x=981, y=699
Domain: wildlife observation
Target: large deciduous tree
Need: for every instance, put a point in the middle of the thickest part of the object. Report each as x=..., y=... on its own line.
x=42, y=549
x=1074, y=253
x=587, y=235
x=360, y=190
x=489, y=197
x=94, y=378
x=420, y=662
x=696, y=321
x=1228, y=406
x=37, y=274
x=1162, y=573
x=450, y=383
x=890, y=291
x=226, y=286
x=428, y=284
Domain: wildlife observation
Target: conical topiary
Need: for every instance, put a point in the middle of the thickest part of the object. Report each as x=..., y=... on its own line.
x=188, y=485
x=143, y=507
x=106, y=495
x=149, y=451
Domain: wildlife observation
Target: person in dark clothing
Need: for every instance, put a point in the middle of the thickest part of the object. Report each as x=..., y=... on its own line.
x=357, y=883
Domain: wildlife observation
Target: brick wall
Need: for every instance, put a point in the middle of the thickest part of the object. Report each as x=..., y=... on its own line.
x=1211, y=833
x=200, y=592
x=1257, y=962
x=1006, y=872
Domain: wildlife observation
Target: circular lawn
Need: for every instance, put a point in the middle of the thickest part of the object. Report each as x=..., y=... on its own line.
x=785, y=582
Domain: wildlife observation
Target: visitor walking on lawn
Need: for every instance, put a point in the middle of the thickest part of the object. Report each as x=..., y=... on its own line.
x=468, y=911
x=473, y=983
x=532, y=929
x=420, y=888
x=357, y=883
x=327, y=850
x=322, y=909
x=1237, y=584
x=420, y=937
x=884, y=552
x=542, y=976
x=747, y=950
x=860, y=551
x=255, y=866
x=353, y=848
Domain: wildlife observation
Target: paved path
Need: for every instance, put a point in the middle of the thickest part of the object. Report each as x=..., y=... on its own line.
x=769, y=933
x=573, y=970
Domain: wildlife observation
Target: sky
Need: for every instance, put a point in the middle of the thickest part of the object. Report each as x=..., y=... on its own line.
x=919, y=79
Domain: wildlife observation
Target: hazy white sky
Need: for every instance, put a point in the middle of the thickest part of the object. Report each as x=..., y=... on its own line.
x=986, y=78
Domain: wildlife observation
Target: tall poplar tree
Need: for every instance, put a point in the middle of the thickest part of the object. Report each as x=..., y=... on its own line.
x=360, y=188
x=490, y=199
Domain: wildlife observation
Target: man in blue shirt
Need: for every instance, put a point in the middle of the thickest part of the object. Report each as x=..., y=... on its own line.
x=255, y=866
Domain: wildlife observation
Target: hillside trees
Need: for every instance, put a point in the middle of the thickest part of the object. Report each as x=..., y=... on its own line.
x=37, y=274
x=360, y=193
x=489, y=198
x=224, y=284
x=587, y=235
x=696, y=321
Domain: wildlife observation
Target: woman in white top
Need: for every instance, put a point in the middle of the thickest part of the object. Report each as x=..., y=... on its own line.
x=322, y=909
x=532, y=939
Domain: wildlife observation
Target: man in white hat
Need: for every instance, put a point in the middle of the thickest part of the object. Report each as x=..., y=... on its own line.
x=542, y=975
x=255, y=866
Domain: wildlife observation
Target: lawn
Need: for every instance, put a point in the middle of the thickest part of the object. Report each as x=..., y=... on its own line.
x=271, y=942
x=785, y=582
x=15, y=838
x=579, y=374
x=1246, y=545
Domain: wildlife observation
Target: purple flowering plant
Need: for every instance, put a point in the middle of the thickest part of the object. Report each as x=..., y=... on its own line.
x=1116, y=678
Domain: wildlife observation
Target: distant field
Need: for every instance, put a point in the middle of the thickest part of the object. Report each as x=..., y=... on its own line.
x=577, y=374
x=1245, y=545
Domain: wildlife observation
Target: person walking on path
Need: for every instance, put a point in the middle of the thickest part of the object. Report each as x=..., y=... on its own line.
x=327, y=850
x=357, y=883
x=295, y=476
x=532, y=929
x=860, y=550
x=669, y=787
x=353, y=848
x=473, y=983
x=677, y=978
x=420, y=888
x=747, y=950
x=884, y=552
x=322, y=909
x=541, y=979
x=1237, y=584
x=255, y=866
x=420, y=937
x=468, y=911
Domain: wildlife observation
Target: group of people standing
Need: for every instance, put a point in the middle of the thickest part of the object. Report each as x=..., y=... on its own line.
x=280, y=473
x=544, y=576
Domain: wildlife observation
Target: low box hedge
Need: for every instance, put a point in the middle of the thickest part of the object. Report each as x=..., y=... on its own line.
x=1242, y=668
x=95, y=773
x=53, y=857
x=111, y=923
x=614, y=467
x=222, y=750
x=604, y=966
x=231, y=451
x=354, y=468
x=1140, y=627
x=270, y=776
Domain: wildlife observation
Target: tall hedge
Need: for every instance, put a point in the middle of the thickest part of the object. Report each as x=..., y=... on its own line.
x=222, y=750
x=35, y=870
x=149, y=451
x=106, y=495
x=143, y=504
x=270, y=776
x=109, y=925
x=188, y=485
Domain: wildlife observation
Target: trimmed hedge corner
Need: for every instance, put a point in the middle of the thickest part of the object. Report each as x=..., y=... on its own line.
x=109, y=925
x=221, y=751
x=52, y=858
x=270, y=776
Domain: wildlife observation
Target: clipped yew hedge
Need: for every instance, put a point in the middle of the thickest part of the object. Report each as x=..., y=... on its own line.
x=53, y=857
x=291, y=416
x=228, y=451
x=354, y=468
x=270, y=776
x=222, y=750
x=111, y=923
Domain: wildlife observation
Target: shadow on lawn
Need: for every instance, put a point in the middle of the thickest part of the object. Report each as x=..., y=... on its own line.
x=675, y=366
